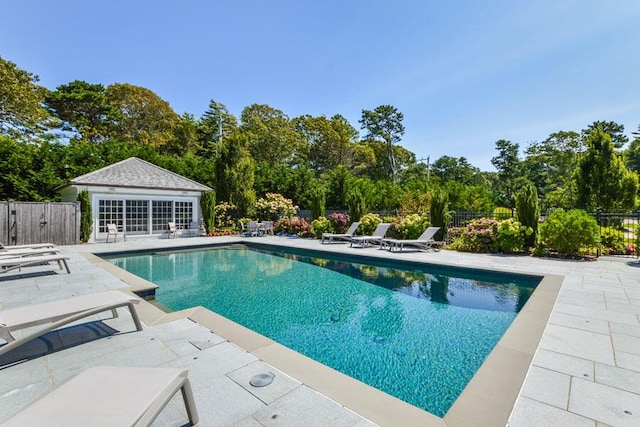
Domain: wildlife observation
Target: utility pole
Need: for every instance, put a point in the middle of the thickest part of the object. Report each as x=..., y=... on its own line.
x=428, y=166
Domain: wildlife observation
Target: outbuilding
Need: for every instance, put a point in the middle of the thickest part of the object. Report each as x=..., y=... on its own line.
x=139, y=197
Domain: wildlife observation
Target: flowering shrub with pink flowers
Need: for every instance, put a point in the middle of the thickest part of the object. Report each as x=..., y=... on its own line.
x=339, y=221
x=490, y=235
x=292, y=226
x=479, y=235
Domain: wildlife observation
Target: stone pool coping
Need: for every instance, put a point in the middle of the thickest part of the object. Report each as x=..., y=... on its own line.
x=487, y=400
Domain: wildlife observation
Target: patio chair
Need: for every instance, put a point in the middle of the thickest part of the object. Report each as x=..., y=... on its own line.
x=171, y=229
x=110, y=396
x=112, y=230
x=376, y=237
x=267, y=227
x=341, y=236
x=194, y=229
x=59, y=313
x=425, y=241
x=17, y=262
x=250, y=229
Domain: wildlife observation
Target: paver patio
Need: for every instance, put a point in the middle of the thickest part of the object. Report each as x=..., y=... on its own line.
x=586, y=370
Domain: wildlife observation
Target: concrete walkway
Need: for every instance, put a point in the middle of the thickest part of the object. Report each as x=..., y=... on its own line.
x=586, y=369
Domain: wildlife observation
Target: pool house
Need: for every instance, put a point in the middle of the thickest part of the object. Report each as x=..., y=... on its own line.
x=137, y=196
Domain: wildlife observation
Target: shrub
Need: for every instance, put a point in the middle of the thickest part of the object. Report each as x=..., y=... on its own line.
x=528, y=211
x=412, y=226
x=612, y=241
x=292, y=226
x=479, y=235
x=317, y=200
x=356, y=202
x=368, y=223
x=440, y=215
x=208, y=206
x=86, y=217
x=570, y=233
x=511, y=236
x=225, y=214
x=319, y=226
x=339, y=222
x=274, y=206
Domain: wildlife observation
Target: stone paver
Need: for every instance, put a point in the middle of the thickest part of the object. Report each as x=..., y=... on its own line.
x=586, y=370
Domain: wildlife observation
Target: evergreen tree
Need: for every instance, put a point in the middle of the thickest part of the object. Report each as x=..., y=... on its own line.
x=439, y=211
x=602, y=179
x=528, y=211
x=208, y=206
x=86, y=217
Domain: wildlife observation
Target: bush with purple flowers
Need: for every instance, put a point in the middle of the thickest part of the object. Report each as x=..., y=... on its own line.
x=339, y=221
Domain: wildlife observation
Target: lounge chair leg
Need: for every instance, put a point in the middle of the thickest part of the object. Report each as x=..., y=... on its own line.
x=189, y=403
x=134, y=316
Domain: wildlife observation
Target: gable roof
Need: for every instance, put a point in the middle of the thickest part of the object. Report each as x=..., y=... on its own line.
x=137, y=173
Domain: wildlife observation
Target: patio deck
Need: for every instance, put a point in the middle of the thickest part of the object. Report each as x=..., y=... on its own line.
x=586, y=368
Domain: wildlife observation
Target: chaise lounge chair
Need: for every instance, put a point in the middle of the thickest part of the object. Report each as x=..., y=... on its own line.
x=32, y=246
x=376, y=237
x=12, y=253
x=341, y=236
x=425, y=241
x=59, y=313
x=16, y=262
x=110, y=396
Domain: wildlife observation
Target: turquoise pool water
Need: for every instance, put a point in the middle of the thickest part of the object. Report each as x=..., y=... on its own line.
x=419, y=335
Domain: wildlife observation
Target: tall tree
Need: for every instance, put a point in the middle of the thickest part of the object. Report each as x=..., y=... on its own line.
x=613, y=129
x=140, y=115
x=272, y=137
x=550, y=165
x=602, y=179
x=215, y=122
x=83, y=108
x=371, y=159
x=234, y=174
x=509, y=167
x=330, y=140
x=384, y=122
x=449, y=168
x=632, y=153
x=21, y=111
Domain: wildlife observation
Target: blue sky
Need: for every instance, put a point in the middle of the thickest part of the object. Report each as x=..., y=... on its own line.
x=464, y=73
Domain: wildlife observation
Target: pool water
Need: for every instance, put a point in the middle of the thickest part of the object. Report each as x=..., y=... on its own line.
x=417, y=335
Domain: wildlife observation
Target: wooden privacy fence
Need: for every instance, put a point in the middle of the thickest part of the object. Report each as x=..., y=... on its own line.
x=39, y=222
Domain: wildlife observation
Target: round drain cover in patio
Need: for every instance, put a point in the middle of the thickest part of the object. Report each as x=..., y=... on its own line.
x=262, y=380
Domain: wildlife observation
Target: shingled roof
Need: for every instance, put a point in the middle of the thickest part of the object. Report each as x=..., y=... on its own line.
x=136, y=173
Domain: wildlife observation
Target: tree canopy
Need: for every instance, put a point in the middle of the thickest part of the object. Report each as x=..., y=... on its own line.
x=49, y=137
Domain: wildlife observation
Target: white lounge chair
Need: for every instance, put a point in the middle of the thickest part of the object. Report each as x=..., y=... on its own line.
x=32, y=246
x=425, y=241
x=110, y=396
x=341, y=236
x=376, y=237
x=17, y=262
x=12, y=253
x=59, y=313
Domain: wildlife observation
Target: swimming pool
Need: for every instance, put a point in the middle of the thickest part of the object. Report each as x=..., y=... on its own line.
x=418, y=335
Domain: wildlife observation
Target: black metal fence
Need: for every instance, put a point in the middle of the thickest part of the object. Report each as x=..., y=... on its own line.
x=617, y=229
